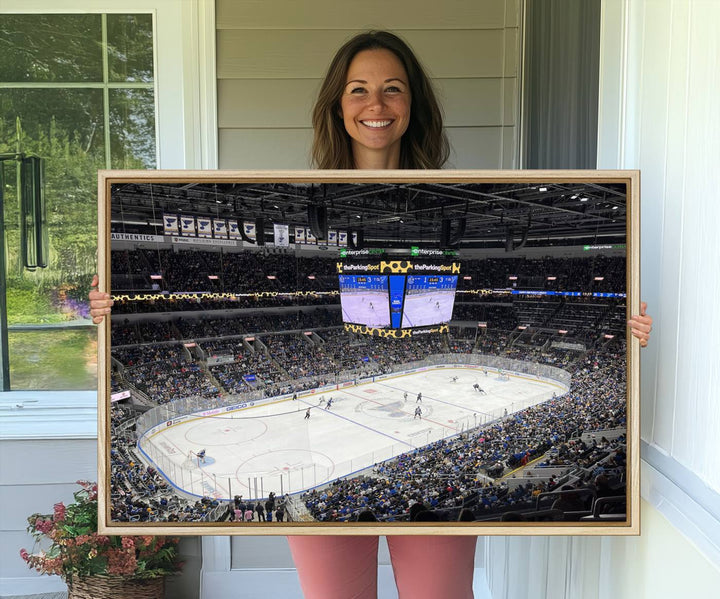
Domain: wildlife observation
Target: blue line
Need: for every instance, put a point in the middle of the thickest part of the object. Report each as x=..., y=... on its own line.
x=365, y=426
x=447, y=403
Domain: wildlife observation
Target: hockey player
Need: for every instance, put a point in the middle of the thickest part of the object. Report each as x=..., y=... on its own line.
x=419, y=398
x=418, y=413
x=201, y=455
x=329, y=403
x=405, y=396
x=307, y=414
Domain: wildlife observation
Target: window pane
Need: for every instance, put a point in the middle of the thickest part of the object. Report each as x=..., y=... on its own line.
x=52, y=119
x=130, y=48
x=52, y=345
x=38, y=48
x=132, y=128
x=54, y=359
x=65, y=128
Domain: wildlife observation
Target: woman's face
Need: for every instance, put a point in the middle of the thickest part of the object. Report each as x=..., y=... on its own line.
x=375, y=108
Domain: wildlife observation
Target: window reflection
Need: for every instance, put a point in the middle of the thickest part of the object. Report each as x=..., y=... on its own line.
x=62, y=119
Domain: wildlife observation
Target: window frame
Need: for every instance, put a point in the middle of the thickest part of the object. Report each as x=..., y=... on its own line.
x=186, y=138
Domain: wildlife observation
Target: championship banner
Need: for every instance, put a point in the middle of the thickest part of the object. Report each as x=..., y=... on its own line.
x=250, y=231
x=220, y=228
x=311, y=239
x=203, y=227
x=332, y=237
x=187, y=226
x=170, y=224
x=282, y=235
x=299, y=235
x=342, y=238
x=234, y=229
x=354, y=239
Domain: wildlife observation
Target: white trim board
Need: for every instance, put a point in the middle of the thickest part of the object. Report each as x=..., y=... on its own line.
x=250, y=584
x=48, y=415
x=679, y=494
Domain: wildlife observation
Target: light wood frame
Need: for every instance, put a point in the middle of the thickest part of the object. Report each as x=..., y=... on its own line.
x=631, y=526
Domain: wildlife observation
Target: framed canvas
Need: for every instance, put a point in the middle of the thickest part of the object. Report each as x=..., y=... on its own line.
x=369, y=352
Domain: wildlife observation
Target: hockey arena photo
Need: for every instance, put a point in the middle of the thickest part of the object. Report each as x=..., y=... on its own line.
x=341, y=352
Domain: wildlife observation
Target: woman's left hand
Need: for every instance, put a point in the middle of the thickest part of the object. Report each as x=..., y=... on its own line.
x=641, y=325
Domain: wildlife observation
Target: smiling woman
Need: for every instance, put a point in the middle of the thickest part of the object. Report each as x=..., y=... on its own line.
x=364, y=105
x=375, y=108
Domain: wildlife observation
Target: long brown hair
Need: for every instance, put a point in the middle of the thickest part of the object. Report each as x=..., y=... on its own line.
x=424, y=144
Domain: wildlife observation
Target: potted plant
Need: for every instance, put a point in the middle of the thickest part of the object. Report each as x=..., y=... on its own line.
x=95, y=566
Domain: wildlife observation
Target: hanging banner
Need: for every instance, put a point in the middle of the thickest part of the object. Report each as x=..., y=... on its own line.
x=220, y=228
x=203, y=227
x=332, y=237
x=311, y=239
x=233, y=229
x=299, y=235
x=250, y=232
x=282, y=235
x=170, y=224
x=342, y=238
x=187, y=226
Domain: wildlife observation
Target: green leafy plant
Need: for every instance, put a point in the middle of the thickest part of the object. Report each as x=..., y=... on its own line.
x=77, y=550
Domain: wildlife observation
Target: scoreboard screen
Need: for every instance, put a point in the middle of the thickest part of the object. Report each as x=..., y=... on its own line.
x=364, y=300
x=397, y=300
x=429, y=299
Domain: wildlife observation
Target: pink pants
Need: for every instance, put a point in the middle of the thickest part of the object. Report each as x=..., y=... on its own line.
x=345, y=567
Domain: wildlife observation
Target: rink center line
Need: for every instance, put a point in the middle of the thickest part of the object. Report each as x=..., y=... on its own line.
x=431, y=398
x=381, y=404
x=355, y=422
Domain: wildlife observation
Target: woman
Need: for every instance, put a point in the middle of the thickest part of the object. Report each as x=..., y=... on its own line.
x=377, y=110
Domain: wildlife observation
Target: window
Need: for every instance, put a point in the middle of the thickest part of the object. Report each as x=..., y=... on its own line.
x=77, y=90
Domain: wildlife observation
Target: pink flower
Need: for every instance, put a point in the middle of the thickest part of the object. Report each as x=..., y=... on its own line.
x=128, y=543
x=24, y=555
x=44, y=526
x=121, y=562
x=59, y=512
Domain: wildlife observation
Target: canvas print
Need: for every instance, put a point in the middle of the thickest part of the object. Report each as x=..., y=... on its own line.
x=334, y=353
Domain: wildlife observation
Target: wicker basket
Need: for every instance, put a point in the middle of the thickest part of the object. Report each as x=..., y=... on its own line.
x=116, y=587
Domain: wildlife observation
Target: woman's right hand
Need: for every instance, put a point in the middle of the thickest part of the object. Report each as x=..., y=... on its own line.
x=100, y=303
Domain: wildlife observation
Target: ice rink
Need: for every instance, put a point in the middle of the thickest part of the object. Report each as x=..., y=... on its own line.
x=368, y=308
x=275, y=447
x=432, y=307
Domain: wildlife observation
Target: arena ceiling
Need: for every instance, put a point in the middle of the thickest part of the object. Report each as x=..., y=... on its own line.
x=475, y=215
